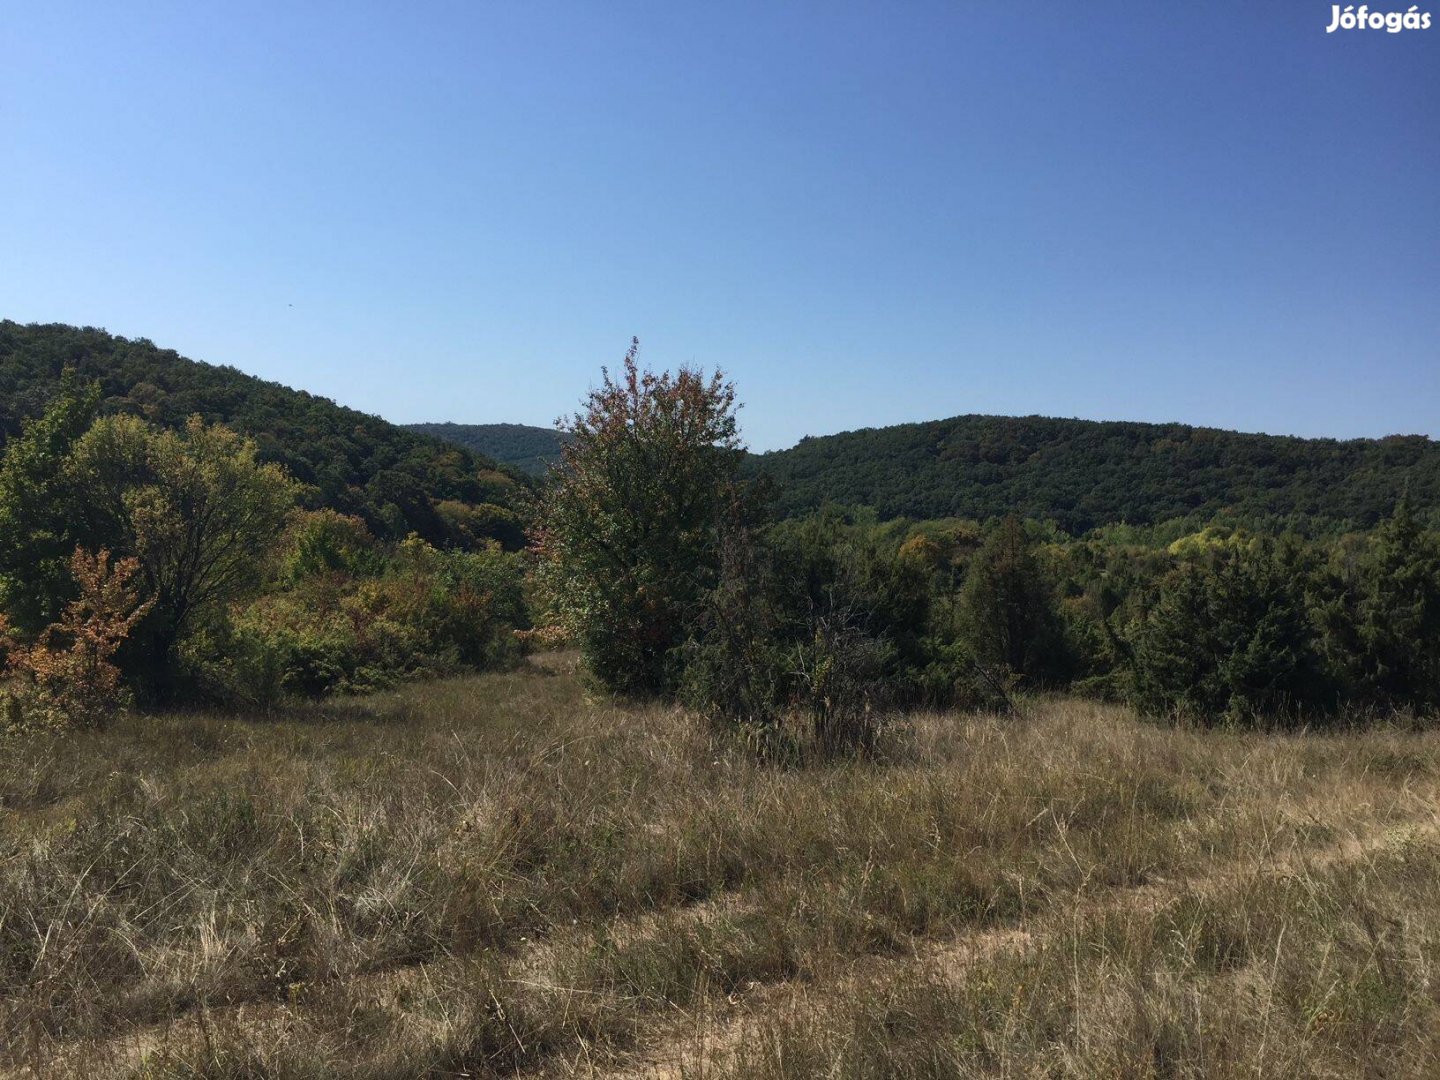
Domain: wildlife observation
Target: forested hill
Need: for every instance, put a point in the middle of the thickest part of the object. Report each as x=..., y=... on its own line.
x=397, y=480
x=1084, y=473
x=521, y=446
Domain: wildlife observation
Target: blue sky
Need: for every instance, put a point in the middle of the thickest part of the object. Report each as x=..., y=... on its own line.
x=865, y=213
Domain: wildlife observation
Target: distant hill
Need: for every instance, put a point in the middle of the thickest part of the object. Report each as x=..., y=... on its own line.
x=1084, y=473
x=530, y=449
x=399, y=481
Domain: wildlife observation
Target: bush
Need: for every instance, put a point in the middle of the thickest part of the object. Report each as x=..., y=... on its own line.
x=628, y=532
x=66, y=678
x=1231, y=639
x=425, y=612
x=842, y=685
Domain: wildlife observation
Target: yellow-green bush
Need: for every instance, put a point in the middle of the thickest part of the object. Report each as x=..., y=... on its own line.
x=349, y=616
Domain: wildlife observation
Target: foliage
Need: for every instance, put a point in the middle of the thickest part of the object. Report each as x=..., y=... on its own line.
x=1231, y=639
x=739, y=663
x=67, y=678
x=1084, y=474
x=532, y=450
x=359, y=618
x=476, y=525
x=628, y=533
x=38, y=528
x=1397, y=624
x=1008, y=611
x=345, y=460
x=842, y=689
x=195, y=509
x=830, y=625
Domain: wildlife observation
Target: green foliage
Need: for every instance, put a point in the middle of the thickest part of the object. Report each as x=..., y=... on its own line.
x=345, y=460
x=470, y=525
x=1231, y=639
x=532, y=450
x=830, y=625
x=317, y=542
x=357, y=618
x=38, y=528
x=1008, y=609
x=194, y=507
x=628, y=532
x=1084, y=474
x=739, y=663
x=1398, y=621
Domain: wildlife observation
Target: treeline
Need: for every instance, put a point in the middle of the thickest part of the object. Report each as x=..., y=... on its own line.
x=141, y=561
x=396, y=481
x=1082, y=474
x=675, y=579
x=530, y=449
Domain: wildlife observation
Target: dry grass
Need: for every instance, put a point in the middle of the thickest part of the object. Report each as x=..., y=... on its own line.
x=496, y=875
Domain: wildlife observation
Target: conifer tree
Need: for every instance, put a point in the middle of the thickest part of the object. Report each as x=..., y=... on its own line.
x=1399, y=616
x=1231, y=638
x=1009, y=608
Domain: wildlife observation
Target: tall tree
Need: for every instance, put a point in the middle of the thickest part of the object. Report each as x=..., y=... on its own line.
x=1399, y=617
x=628, y=533
x=38, y=529
x=195, y=508
x=1009, y=607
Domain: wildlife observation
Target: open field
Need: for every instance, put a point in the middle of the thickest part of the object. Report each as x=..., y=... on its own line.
x=499, y=875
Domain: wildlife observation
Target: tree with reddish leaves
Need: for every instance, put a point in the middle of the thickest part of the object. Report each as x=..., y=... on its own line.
x=628, y=530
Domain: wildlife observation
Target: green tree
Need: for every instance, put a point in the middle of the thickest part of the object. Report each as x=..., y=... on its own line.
x=1399, y=614
x=38, y=528
x=628, y=532
x=1008, y=608
x=196, y=510
x=1231, y=638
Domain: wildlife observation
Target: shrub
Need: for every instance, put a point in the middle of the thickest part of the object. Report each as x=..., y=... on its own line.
x=1231, y=639
x=842, y=689
x=424, y=612
x=739, y=666
x=1398, y=621
x=628, y=533
x=66, y=678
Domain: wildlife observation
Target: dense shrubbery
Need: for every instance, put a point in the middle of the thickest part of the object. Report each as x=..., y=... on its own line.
x=66, y=677
x=349, y=615
x=1251, y=629
x=659, y=563
x=211, y=595
x=830, y=622
x=673, y=576
x=1230, y=638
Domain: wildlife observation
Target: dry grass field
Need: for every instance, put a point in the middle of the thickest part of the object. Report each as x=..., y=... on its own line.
x=499, y=875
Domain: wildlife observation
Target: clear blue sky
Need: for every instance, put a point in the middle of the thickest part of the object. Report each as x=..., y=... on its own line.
x=865, y=213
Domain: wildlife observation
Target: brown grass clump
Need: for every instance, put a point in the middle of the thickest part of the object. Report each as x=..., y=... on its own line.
x=495, y=875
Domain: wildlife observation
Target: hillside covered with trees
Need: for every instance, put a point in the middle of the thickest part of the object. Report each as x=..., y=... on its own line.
x=520, y=446
x=396, y=481
x=1083, y=473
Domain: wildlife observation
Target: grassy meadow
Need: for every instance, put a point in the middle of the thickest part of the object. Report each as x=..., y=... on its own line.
x=506, y=874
